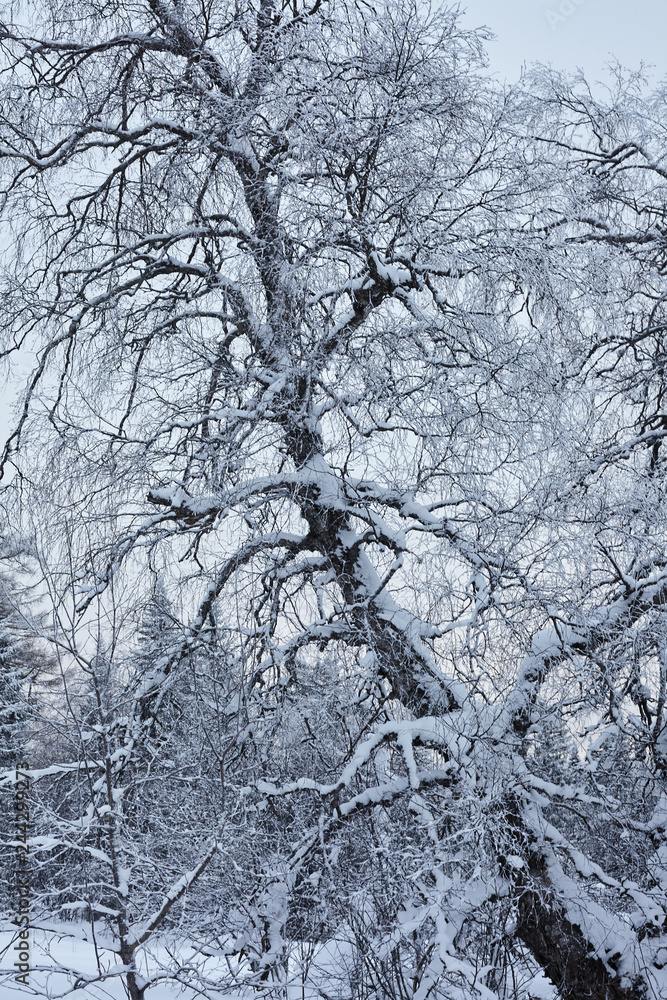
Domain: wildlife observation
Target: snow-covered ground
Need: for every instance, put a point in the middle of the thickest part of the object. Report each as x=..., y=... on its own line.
x=66, y=961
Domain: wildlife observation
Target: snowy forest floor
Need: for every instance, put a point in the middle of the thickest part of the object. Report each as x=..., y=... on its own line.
x=65, y=961
x=65, y=955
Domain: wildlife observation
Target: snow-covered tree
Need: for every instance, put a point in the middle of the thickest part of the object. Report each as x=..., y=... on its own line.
x=20, y=664
x=367, y=354
x=13, y=709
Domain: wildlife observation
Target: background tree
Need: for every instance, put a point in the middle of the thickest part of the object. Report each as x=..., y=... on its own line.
x=23, y=670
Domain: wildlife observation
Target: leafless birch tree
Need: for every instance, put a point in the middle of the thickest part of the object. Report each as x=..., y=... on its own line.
x=363, y=357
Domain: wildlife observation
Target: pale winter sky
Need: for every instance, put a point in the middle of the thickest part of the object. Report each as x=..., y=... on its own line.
x=572, y=33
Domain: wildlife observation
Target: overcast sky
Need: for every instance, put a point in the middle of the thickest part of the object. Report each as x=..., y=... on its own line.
x=572, y=33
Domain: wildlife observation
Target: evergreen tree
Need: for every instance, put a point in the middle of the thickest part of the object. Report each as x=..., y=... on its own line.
x=17, y=662
x=13, y=707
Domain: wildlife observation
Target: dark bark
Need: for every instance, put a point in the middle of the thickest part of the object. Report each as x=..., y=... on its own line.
x=561, y=948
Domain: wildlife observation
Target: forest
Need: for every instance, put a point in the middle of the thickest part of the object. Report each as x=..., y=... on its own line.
x=333, y=512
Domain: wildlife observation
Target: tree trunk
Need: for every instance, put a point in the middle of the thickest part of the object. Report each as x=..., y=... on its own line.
x=561, y=948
